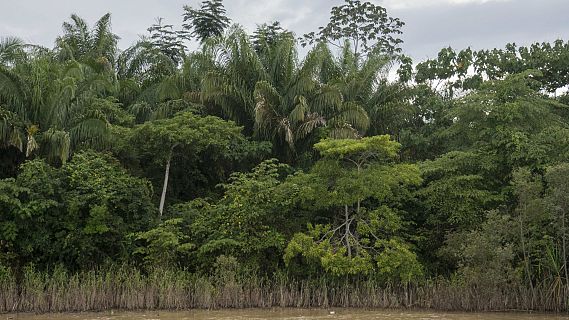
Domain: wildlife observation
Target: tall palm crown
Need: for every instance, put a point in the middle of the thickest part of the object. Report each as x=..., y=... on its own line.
x=52, y=102
x=294, y=103
x=96, y=46
x=267, y=89
x=230, y=82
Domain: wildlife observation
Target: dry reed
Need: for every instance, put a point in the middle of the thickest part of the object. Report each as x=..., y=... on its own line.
x=127, y=288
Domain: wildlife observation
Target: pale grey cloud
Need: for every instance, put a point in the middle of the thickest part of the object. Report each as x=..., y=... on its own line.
x=407, y=4
x=487, y=25
x=430, y=24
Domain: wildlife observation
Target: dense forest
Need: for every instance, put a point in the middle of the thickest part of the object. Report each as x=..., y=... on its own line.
x=329, y=159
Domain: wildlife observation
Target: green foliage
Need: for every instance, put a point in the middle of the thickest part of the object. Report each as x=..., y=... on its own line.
x=458, y=169
x=206, y=22
x=541, y=222
x=362, y=25
x=471, y=68
x=249, y=222
x=230, y=82
x=28, y=205
x=104, y=204
x=168, y=41
x=485, y=254
x=361, y=149
x=356, y=184
x=57, y=106
x=197, y=144
x=458, y=188
x=266, y=36
x=185, y=131
x=324, y=254
x=512, y=122
x=397, y=262
x=17, y=210
x=11, y=50
x=291, y=106
x=79, y=214
x=96, y=46
x=164, y=245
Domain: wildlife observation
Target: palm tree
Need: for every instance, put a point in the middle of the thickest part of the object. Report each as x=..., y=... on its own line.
x=363, y=83
x=12, y=51
x=293, y=103
x=153, y=86
x=140, y=69
x=50, y=106
x=230, y=83
x=19, y=96
x=282, y=111
x=391, y=109
x=11, y=131
x=273, y=95
x=95, y=46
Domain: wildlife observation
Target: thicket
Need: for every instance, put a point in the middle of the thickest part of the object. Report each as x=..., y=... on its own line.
x=246, y=174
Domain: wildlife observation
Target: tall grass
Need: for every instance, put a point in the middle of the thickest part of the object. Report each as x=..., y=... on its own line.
x=127, y=288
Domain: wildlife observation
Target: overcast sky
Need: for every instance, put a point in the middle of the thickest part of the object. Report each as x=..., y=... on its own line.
x=430, y=24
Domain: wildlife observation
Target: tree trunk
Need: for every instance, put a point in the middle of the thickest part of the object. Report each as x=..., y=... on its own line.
x=165, y=186
x=525, y=254
x=564, y=234
x=347, y=234
x=359, y=166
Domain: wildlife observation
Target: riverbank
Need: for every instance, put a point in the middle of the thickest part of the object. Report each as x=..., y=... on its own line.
x=288, y=314
x=130, y=289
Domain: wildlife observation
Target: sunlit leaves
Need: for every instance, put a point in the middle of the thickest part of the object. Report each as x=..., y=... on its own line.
x=376, y=146
x=358, y=187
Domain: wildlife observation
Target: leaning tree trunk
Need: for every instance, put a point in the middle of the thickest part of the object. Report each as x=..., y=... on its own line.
x=347, y=231
x=165, y=186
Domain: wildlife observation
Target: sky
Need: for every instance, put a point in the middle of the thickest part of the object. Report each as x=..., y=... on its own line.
x=429, y=24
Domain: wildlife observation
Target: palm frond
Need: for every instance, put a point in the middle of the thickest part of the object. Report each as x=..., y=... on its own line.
x=11, y=51
x=12, y=89
x=354, y=115
x=344, y=132
x=57, y=145
x=91, y=132
x=311, y=123
x=297, y=114
x=10, y=129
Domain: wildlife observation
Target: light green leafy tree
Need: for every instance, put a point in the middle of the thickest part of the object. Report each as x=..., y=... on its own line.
x=360, y=187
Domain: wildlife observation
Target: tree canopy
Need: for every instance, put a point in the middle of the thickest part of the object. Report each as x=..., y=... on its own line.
x=216, y=147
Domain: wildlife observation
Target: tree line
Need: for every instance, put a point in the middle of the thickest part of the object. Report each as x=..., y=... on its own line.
x=246, y=154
